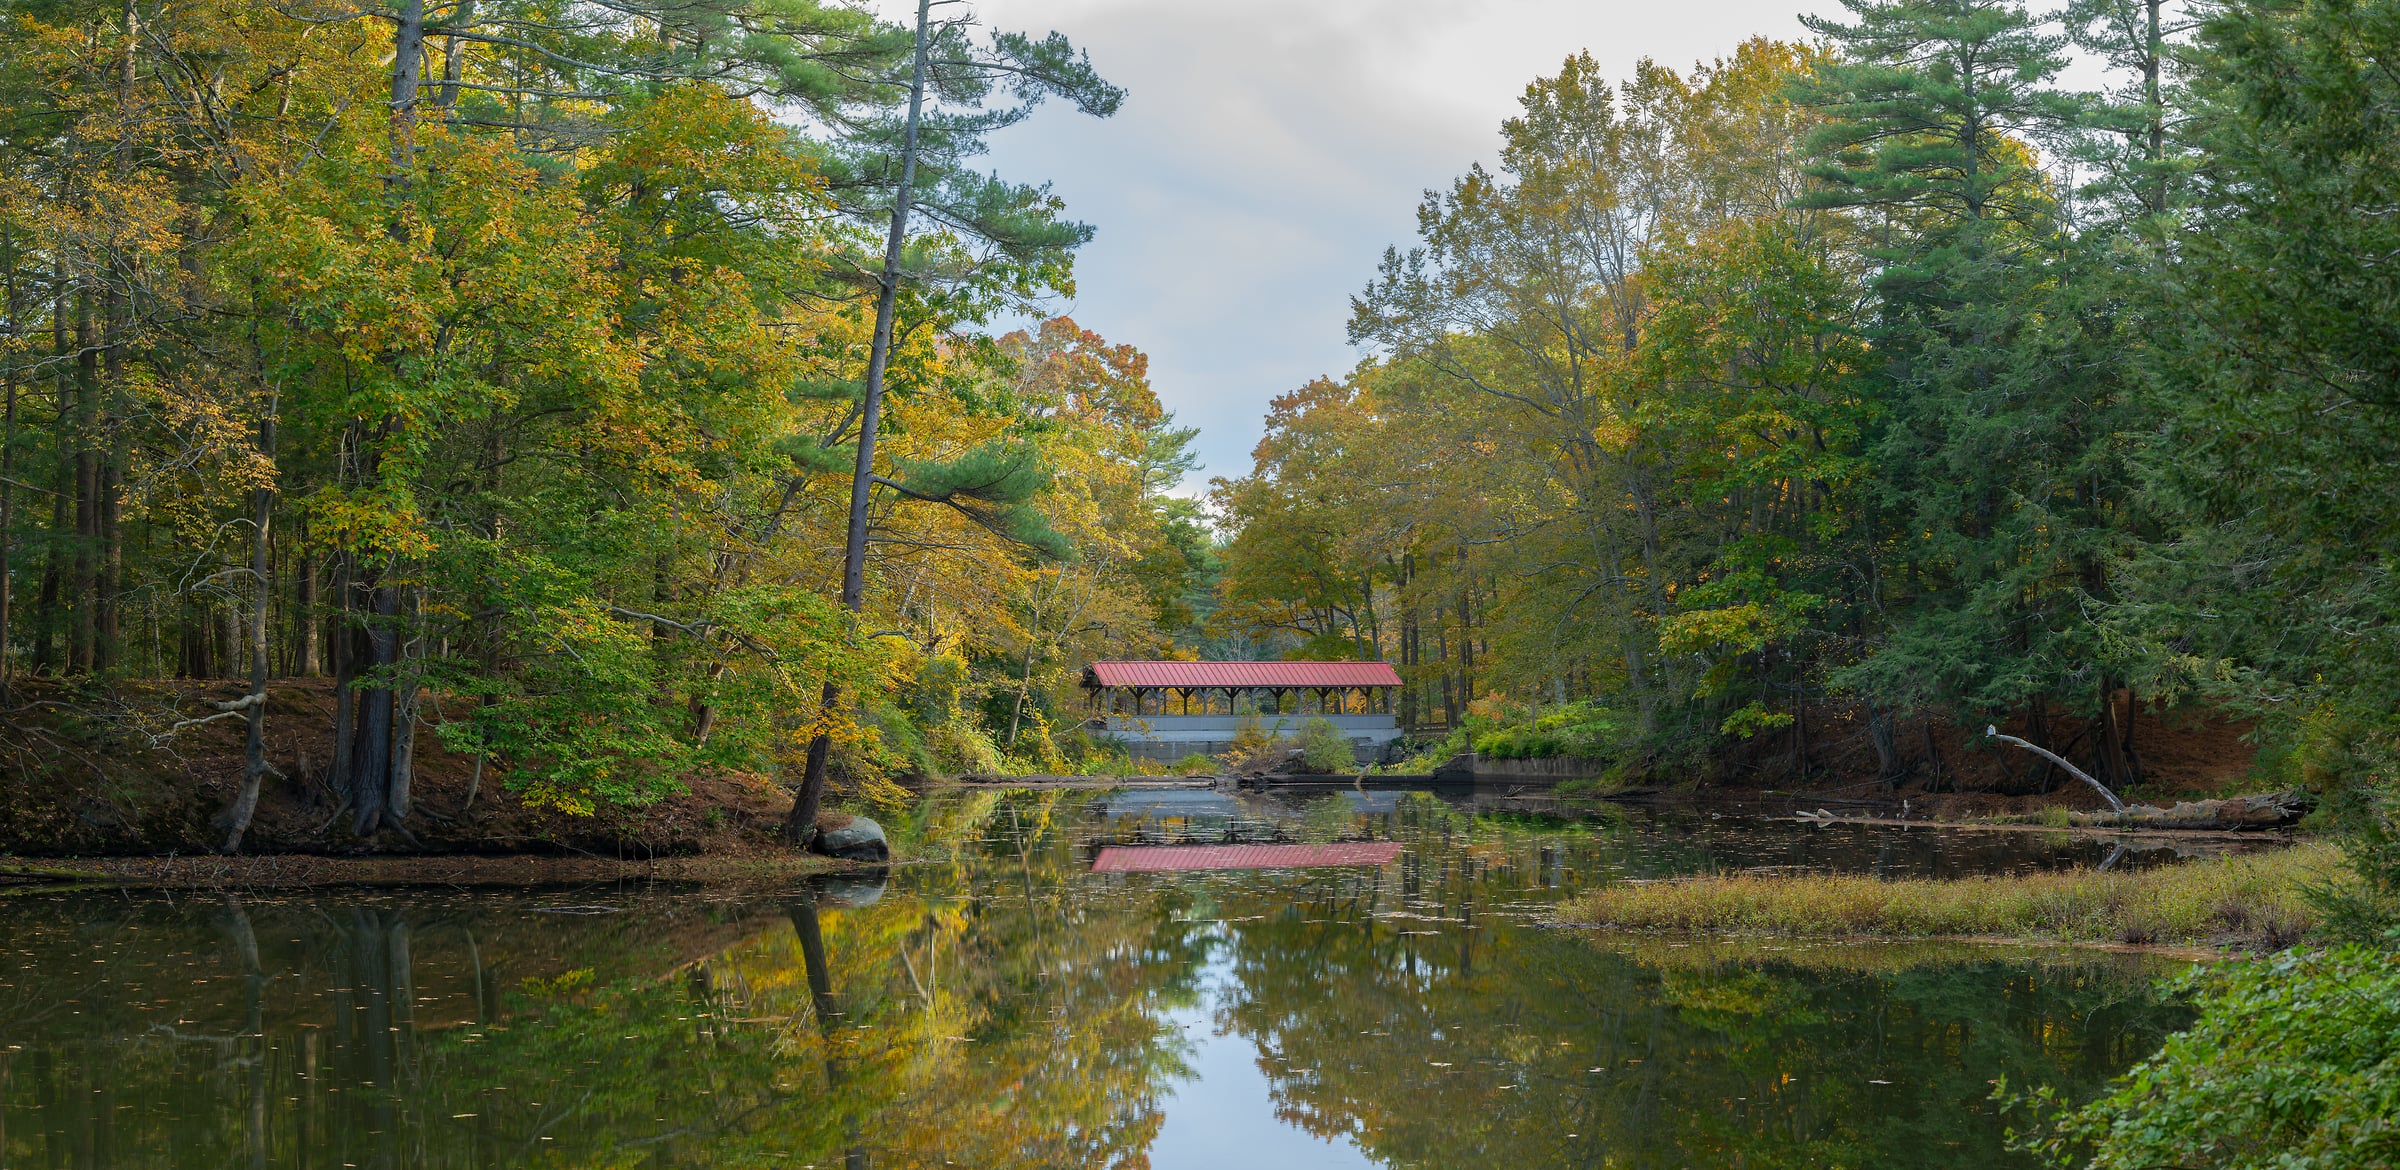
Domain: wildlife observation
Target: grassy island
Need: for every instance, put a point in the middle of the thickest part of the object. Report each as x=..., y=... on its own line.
x=2252, y=901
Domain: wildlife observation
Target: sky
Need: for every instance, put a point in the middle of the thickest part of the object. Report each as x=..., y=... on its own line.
x=1270, y=150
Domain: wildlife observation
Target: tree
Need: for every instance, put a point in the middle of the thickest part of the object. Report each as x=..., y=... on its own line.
x=1014, y=223
x=2270, y=588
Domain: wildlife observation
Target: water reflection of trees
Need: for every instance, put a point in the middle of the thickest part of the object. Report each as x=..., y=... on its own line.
x=1397, y=1010
x=1006, y=1018
x=1002, y=1007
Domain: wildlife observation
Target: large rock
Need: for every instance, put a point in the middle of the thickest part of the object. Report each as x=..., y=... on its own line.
x=1459, y=769
x=851, y=838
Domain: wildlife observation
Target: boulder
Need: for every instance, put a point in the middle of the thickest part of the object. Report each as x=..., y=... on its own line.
x=851, y=838
x=1458, y=769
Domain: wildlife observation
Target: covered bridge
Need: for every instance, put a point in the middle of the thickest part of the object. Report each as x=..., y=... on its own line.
x=1168, y=710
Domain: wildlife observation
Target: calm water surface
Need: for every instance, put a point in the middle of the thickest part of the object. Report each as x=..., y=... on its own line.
x=1004, y=1007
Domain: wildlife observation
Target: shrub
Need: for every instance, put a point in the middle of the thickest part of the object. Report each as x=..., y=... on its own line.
x=1574, y=729
x=2294, y=1062
x=1196, y=764
x=1323, y=748
x=958, y=747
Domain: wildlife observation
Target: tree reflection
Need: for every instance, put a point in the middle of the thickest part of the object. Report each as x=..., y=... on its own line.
x=1395, y=1012
x=1001, y=1006
x=1011, y=1017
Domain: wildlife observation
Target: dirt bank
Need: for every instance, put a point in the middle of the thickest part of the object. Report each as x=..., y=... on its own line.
x=305, y=870
x=89, y=773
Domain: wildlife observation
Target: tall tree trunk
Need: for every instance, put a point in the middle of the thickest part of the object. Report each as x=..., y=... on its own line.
x=2112, y=735
x=107, y=476
x=453, y=59
x=405, y=692
x=86, y=580
x=408, y=67
x=254, y=747
x=371, y=749
x=800, y=827
x=1883, y=733
x=46, y=616
x=304, y=607
x=345, y=685
x=372, y=737
x=2037, y=729
x=2156, y=148
x=1411, y=642
x=8, y=512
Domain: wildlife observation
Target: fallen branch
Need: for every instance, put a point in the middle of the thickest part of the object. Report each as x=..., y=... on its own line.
x=225, y=710
x=2111, y=797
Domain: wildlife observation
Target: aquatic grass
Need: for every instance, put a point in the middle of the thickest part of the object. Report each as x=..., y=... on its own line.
x=1877, y=956
x=2251, y=900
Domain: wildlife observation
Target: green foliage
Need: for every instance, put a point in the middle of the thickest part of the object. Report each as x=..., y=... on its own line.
x=537, y=390
x=994, y=485
x=1575, y=729
x=960, y=747
x=2294, y=1063
x=1323, y=748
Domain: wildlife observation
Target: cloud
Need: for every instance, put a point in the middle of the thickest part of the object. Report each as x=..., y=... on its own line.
x=1269, y=152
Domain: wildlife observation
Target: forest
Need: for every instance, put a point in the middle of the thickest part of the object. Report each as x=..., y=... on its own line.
x=595, y=400
x=1884, y=375
x=506, y=364
x=522, y=371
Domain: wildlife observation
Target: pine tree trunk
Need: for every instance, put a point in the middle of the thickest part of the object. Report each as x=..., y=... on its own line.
x=800, y=827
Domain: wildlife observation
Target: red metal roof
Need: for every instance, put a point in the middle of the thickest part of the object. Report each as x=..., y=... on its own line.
x=1157, y=858
x=1241, y=674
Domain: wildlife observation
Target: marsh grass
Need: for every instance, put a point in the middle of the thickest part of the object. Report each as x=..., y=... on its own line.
x=2253, y=900
x=1674, y=952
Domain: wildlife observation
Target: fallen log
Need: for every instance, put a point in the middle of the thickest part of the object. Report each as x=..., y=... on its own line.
x=2270, y=810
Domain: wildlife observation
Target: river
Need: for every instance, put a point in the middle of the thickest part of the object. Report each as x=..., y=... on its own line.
x=1000, y=1004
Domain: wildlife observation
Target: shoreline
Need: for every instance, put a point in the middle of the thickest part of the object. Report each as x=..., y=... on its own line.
x=300, y=871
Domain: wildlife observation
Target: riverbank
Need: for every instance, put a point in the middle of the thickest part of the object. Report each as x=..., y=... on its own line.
x=2241, y=902
x=310, y=871
x=99, y=774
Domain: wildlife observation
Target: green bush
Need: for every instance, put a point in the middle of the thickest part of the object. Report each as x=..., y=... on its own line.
x=1323, y=748
x=2294, y=1064
x=960, y=747
x=1575, y=729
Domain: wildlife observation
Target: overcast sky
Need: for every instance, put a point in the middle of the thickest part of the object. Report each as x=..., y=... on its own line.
x=1271, y=149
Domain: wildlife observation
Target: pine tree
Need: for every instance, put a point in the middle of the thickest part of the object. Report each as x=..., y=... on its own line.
x=2003, y=483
